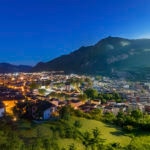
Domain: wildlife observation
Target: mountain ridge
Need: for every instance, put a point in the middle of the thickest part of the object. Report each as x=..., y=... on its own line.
x=10, y=68
x=109, y=56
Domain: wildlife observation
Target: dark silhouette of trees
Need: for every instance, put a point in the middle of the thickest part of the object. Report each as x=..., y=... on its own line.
x=65, y=112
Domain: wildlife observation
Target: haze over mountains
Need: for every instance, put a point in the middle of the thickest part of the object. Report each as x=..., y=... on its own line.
x=112, y=56
x=9, y=68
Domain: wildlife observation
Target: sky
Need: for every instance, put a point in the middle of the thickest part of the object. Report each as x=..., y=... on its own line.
x=32, y=31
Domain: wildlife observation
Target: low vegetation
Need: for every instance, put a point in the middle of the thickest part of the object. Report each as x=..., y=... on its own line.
x=75, y=130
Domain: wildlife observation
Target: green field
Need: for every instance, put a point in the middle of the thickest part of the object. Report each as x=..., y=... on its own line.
x=27, y=130
x=109, y=132
x=112, y=134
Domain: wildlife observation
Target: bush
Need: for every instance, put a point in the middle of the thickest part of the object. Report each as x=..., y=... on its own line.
x=77, y=124
x=128, y=128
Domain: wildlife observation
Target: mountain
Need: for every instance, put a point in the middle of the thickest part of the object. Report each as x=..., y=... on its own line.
x=9, y=68
x=112, y=56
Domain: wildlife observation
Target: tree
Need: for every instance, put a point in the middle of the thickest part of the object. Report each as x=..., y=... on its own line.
x=128, y=128
x=109, y=117
x=116, y=95
x=66, y=96
x=53, y=95
x=86, y=139
x=82, y=97
x=54, y=129
x=96, y=132
x=91, y=93
x=42, y=91
x=62, y=96
x=98, y=78
x=72, y=147
x=14, y=143
x=93, y=140
x=19, y=109
x=77, y=124
x=34, y=85
x=136, y=114
x=96, y=114
x=103, y=101
x=96, y=140
x=37, y=144
x=64, y=112
x=68, y=132
x=46, y=144
x=88, y=81
x=120, y=118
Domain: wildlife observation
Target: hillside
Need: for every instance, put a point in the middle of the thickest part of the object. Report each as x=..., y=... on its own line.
x=9, y=68
x=110, y=56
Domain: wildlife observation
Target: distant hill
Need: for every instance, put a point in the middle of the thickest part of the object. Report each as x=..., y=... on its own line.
x=9, y=68
x=112, y=56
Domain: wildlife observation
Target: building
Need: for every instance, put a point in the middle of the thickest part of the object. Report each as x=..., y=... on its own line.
x=147, y=108
x=75, y=103
x=41, y=110
x=2, y=109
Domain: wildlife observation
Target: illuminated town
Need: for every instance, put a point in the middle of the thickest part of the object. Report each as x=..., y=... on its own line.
x=46, y=92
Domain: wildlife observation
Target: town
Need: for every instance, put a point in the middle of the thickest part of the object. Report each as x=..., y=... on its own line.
x=46, y=92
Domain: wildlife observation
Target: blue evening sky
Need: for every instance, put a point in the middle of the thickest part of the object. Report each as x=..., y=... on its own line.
x=40, y=30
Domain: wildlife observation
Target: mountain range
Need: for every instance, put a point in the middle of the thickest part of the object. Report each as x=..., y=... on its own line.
x=9, y=68
x=112, y=56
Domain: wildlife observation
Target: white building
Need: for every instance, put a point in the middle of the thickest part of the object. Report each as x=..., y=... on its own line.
x=2, y=109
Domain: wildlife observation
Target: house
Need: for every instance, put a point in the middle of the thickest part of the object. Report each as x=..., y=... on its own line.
x=75, y=103
x=55, y=101
x=134, y=106
x=62, y=103
x=47, y=113
x=2, y=109
x=111, y=102
x=41, y=110
x=67, y=86
x=107, y=109
x=45, y=110
x=97, y=102
x=87, y=107
x=147, y=108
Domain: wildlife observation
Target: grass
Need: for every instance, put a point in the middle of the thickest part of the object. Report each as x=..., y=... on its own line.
x=66, y=142
x=141, y=140
x=112, y=134
x=108, y=132
x=31, y=130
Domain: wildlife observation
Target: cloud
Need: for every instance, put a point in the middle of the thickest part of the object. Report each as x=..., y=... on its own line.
x=124, y=43
x=146, y=50
x=117, y=58
x=109, y=46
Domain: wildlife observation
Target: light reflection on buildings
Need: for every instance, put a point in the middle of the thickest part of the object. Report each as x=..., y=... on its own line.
x=9, y=104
